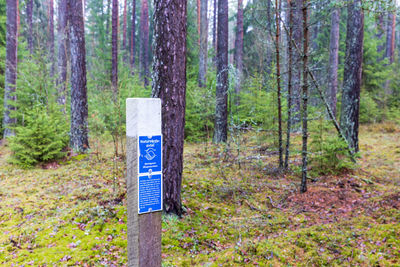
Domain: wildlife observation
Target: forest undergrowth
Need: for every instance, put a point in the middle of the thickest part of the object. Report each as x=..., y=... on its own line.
x=240, y=210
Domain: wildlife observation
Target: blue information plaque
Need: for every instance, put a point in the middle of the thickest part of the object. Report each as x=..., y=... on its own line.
x=150, y=193
x=150, y=154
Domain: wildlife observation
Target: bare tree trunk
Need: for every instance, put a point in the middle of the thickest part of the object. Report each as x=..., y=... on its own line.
x=29, y=14
x=62, y=53
x=221, y=109
x=298, y=38
x=124, y=27
x=114, y=49
x=304, y=152
x=214, y=34
x=239, y=49
x=203, y=43
x=169, y=84
x=144, y=41
x=291, y=5
x=391, y=36
x=11, y=66
x=51, y=38
x=278, y=81
x=133, y=38
x=334, y=58
x=79, y=107
x=349, y=120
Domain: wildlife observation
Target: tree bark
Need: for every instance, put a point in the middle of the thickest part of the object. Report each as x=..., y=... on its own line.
x=298, y=38
x=391, y=36
x=29, y=14
x=11, y=66
x=79, y=107
x=124, y=27
x=349, y=120
x=278, y=80
x=334, y=58
x=214, y=34
x=169, y=84
x=51, y=39
x=144, y=41
x=203, y=44
x=114, y=49
x=304, y=152
x=62, y=52
x=133, y=38
x=239, y=49
x=291, y=6
x=221, y=109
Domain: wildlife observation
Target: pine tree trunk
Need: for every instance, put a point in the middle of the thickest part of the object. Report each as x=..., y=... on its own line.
x=304, y=152
x=133, y=38
x=144, y=41
x=239, y=49
x=114, y=49
x=221, y=109
x=298, y=38
x=278, y=80
x=29, y=14
x=214, y=33
x=11, y=66
x=203, y=43
x=62, y=53
x=334, y=59
x=124, y=27
x=291, y=5
x=79, y=107
x=352, y=74
x=51, y=39
x=169, y=84
x=391, y=36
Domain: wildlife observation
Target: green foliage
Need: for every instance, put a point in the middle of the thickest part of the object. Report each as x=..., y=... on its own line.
x=369, y=110
x=41, y=138
x=330, y=153
x=200, y=108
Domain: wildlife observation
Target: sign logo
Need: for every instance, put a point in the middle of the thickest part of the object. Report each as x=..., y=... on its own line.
x=150, y=154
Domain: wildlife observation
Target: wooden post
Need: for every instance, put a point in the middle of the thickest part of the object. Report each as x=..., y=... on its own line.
x=144, y=181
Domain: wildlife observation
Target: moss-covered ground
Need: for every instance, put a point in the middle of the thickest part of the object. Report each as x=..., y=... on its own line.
x=239, y=209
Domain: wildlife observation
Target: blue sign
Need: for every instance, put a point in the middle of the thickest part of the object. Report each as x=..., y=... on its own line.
x=150, y=157
x=150, y=193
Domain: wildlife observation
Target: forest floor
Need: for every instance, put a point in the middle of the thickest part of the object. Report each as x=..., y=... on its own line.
x=239, y=209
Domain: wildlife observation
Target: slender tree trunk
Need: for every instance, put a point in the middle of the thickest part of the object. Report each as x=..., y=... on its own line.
x=304, y=153
x=29, y=14
x=51, y=39
x=298, y=38
x=169, y=84
x=144, y=41
x=334, y=58
x=114, y=49
x=291, y=5
x=203, y=43
x=391, y=36
x=62, y=52
x=133, y=38
x=214, y=33
x=349, y=120
x=278, y=81
x=198, y=19
x=108, y=20
x=221, y=109
x=239, y=49
x=79, y=107
x=11, y=66
x=124, y=27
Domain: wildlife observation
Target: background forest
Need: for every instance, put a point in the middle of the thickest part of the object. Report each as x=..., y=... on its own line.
x=271, y=87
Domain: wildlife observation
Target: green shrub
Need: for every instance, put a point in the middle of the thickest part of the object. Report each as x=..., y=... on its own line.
x=41, y=138
x=369, y=110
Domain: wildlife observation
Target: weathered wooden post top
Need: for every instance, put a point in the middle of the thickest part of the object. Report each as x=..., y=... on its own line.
x=144, y=181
